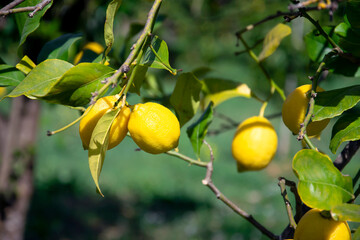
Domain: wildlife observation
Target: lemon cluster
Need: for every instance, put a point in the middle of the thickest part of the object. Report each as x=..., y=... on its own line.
x=153, y=127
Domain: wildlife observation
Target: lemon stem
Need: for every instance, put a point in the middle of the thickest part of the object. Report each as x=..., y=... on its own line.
x=262, y=109
x=187, y=159
x=309, y=143
x=50, y=133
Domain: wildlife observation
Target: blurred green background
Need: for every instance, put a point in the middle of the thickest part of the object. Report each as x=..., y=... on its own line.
x=161, y=197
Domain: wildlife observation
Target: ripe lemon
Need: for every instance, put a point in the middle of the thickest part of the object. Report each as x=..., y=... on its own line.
x=154, y=128
x=313, y=226
x=254, y=144
x=294, y=110
x=118, y=129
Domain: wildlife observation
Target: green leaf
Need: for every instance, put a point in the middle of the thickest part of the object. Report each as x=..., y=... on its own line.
x=347, y=128
x=157, y=55
x=197, y=131
x=10, y=76
x=356, y=235
x=41, y=79
x=26, y=65
x=99, y=143
x=27, y=25
x=321, y=185
x=349, y=40
x=219, y=90
x=340, y=65
x=316, y=45
x=74, y=88
x=353, y=14
x=109, y=23
x=59, y=48
x=201, y=72
x=272, y=40
x=138, y=76
x=186, y=96
x=329, y=104
x=346, y=212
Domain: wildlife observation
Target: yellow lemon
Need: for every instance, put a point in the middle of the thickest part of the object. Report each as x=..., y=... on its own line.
x=154, y=128
x=294, y=110
x=118, y=128
x=254, y=144
x=92, y=46
x=2, y=91
x=313, y=226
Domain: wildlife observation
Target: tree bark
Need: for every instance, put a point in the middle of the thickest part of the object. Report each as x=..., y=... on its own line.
x=18, y=137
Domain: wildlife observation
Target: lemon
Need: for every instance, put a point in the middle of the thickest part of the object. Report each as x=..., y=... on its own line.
x=2, y=91
x=254, y=144
x=92, y=46
x=313, y=226
x=154, y=128
x=118, y=129
x=294, y=110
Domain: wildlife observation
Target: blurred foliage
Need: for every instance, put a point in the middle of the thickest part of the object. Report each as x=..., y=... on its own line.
x=157, y=197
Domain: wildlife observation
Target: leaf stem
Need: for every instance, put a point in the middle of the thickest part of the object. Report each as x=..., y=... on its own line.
x=282, y=186
x=187, y=159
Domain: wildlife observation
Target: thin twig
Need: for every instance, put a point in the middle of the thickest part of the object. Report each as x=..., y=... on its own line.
x=207, y=181
x=346, y=154
x=282, y=185
x=273, y=16
x=125, y=67
x=12, y=5
x=32, y=9
x=187, y=159
x=311, y=105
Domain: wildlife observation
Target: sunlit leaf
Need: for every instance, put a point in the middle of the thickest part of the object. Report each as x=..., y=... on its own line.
x=197, y=131
x=321, y=185
x=347, y=128
x=329, y=104
x=157, y=55
x=75, y=87
x=27, y=25
x=346, y=212
x=99, y=143
x=26, y=65
x=316, y=45
x=59, y=48
x=219, y=90
x=272, y=40
x=186, y=96
x=41, y=79
x=109, y=23
x=10, y=76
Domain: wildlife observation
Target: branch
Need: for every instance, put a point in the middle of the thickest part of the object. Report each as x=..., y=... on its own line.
x=125, y=67
x=187, y=159
x=346, y=154
x=207, y=181
x=310, y=111
x=8, y=9
x=282, y=185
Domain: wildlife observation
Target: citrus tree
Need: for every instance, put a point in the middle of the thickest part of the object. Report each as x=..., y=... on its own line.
x=90, y=83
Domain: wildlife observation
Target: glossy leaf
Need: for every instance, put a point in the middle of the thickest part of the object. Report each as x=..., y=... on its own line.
x=41, y=79
x=316, y=46
x=197, y=131
x=349, y=40
x=186, y=97
x=26, y=65
x=10, y=76
x=138, y=76
x=99, y=143
x=74, y=88
x=59, y=48
x=346, y=212
x=332, y=103
x=157, y=55
x=219, y=90
x=272, y=40
x=109, y=23
x=27, y=25
x=321, y=185
x=347, y=128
